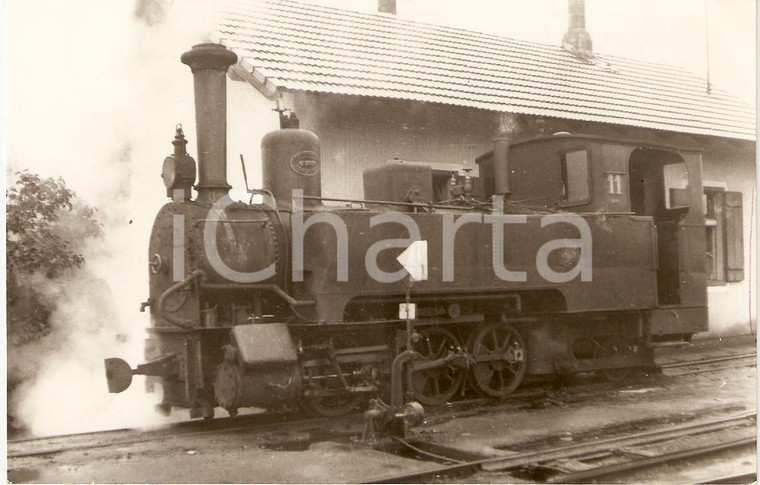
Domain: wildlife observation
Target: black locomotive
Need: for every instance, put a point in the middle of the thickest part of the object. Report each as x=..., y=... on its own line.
x=567, y=253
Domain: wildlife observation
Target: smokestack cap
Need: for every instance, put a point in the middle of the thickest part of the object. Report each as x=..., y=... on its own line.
x=209, y=56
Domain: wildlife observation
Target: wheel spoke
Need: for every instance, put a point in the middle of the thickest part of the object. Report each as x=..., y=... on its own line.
x=429, y=383
x=504, y=347
x=441, y=348
x=436, y=385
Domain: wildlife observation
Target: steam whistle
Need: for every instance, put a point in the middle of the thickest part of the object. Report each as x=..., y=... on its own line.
x=467, y=181
x=452, y=185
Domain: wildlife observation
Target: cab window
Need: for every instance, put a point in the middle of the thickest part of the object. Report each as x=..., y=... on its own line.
x=575, y=179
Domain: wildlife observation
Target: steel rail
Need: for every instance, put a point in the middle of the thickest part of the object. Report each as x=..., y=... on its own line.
x=705, y=371
x=541, y=456
x=709, y=361
x=743, y=478
x=170, y=432
x=21, y=441
x=628, y=466
x=651, y=436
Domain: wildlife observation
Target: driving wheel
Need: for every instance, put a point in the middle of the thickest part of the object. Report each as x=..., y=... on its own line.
x=437, y=385
x=500, y=359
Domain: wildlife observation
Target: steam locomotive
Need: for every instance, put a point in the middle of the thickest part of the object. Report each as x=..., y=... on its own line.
x=567, y=253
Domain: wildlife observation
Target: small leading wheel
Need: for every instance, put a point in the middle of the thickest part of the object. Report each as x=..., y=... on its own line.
x=436, y=386
x=613, y=347
x=337, y=403
x=500, y=359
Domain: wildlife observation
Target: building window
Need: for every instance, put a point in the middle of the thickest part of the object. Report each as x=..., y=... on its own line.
x=724, y=239
x=714, y=235
x=575, y=181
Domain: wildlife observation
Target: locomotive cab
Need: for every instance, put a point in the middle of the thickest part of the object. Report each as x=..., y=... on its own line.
x=638, y=181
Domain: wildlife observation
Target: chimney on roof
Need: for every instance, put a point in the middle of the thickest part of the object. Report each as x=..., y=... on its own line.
x=386, y=6
x=576, y=40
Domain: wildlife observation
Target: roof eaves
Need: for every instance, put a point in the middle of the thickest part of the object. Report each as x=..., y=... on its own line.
x=390, y=93
x=266, y=85
x=255, y=76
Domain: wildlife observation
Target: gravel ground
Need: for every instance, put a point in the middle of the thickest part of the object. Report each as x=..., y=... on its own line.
x=256, y=458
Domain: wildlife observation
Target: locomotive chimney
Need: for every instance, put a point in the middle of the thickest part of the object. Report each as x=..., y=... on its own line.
x=209, y=63
x=386, y=6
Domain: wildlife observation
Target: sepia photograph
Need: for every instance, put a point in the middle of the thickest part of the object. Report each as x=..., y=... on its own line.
x=380, y=241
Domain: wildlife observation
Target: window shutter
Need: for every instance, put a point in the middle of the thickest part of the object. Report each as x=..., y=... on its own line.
x=734, y=237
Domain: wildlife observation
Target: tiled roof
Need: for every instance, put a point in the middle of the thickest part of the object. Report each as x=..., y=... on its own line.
x=294, y=46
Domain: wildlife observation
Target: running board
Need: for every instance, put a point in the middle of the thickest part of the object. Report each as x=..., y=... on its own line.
x=661, y=345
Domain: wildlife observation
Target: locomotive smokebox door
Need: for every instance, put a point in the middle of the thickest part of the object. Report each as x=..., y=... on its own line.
x=118, y=374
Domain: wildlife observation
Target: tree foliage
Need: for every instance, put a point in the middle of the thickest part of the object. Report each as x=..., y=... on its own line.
x=46, y=227
x=35, y=239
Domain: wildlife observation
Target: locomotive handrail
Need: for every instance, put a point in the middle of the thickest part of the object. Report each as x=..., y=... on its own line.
x=259, y=286
x=164, y=314
x=438, y=206
x=231, y=221
x=384, y=202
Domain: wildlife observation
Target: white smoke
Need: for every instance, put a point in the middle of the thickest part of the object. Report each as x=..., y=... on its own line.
x=95, y=90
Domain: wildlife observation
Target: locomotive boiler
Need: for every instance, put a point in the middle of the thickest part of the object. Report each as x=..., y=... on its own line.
x=567, y=253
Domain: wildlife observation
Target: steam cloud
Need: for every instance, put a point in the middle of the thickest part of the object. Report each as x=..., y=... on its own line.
x=96, y=89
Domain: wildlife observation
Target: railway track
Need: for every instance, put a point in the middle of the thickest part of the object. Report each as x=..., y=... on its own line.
x=628, y=466
x=709, y=364
x=254, y=423
x=713, y=360
x=262, y=423
x=585, y=462
x=269, y=422
x=739, y=478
